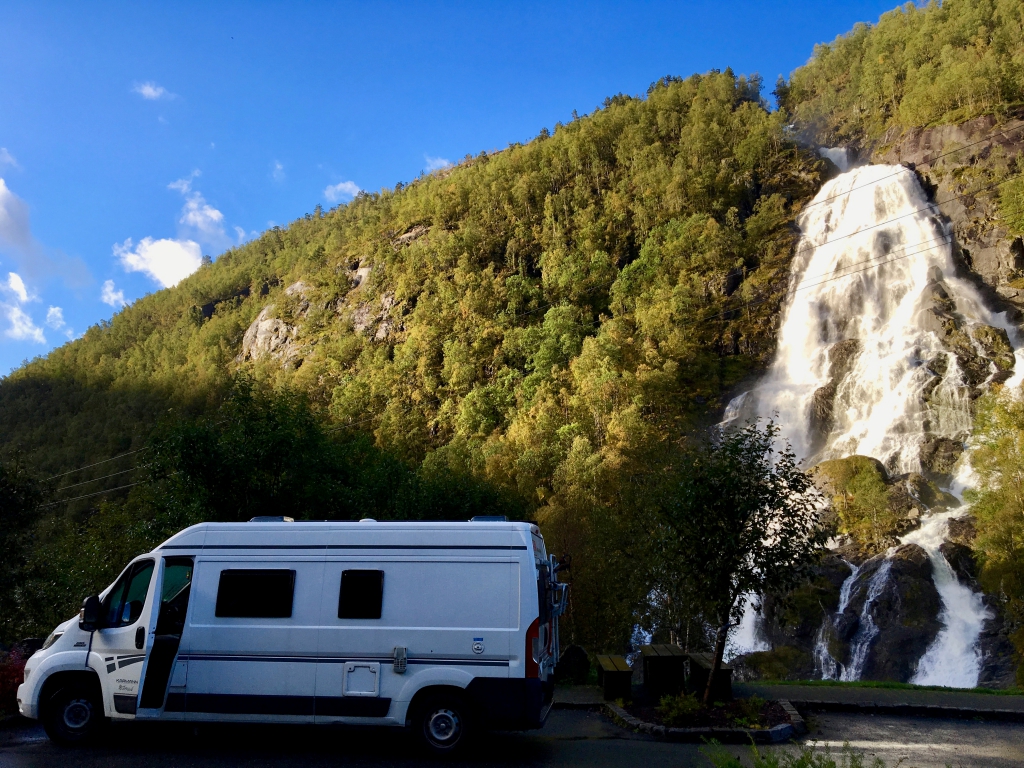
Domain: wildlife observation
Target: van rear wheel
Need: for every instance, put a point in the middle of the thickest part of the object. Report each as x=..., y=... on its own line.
x=443, y=724
x=72, y=716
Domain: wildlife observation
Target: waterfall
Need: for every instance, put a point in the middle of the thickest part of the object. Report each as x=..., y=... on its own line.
x=875, y=334
x=867, y=630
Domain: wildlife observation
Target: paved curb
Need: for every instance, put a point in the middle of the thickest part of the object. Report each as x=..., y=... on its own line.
x=913, y=710
x=774, y=735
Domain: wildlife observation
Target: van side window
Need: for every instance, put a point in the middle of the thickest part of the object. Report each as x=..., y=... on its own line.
x=255, y=594
x=362, y=594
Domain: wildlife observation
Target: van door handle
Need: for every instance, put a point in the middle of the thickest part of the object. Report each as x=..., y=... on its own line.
x=140, y=637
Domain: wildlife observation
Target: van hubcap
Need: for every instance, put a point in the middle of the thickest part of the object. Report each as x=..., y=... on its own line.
x=77, y=713
x=444, y=726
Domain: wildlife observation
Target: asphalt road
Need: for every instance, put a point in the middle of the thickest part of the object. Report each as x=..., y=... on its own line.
x=570, y=738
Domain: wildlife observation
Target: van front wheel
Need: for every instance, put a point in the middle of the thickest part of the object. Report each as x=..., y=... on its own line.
x=443, y=724
x=72, y=716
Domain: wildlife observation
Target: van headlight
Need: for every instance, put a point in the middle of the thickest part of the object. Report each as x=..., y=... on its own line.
x=53, y=638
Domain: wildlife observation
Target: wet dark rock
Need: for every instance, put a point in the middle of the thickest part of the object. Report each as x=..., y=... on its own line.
x=962, y=530
x=794, y=618
x=996, y=344
x=906, y=613
x=998, y=656
x=928, y=493
x=961, y=560
x=841, y=357
x=939, y=455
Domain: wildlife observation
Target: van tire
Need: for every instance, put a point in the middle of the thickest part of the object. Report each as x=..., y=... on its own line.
x=443, y=723
x=73, y=715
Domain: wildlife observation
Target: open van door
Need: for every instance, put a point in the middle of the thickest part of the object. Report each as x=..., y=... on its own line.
x=119, y=642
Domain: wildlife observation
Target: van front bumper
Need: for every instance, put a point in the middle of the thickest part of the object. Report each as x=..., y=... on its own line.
x=25, y=702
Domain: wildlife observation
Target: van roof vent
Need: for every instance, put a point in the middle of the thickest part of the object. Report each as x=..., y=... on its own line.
x=367, y=520
x=489, y=519
x=272, y=519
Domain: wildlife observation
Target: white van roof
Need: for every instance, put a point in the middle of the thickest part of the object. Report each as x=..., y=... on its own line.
x=344, y=535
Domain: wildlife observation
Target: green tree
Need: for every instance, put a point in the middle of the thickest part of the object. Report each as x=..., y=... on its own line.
x=745, y=520
x=20, y=498
x=997, y=503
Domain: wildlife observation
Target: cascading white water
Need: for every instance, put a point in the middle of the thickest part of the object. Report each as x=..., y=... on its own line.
x=874, y=260
x=867, y=630
x=953, y=659
x=865, y=268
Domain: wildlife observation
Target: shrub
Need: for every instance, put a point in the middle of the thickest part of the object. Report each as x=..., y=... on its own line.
x=676, y=710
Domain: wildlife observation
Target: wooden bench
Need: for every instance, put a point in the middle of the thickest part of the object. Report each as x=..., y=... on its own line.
x=664, y=671
x=615, y=677
x=700, y=668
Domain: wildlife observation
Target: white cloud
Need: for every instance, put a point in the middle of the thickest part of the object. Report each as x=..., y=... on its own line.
x=199, y=219
x=6, y=158
x=277, y=173
x=166, y=261
x=436, y=163
x=151, y=91
x=344, y=190
x=14, y=228
x=55, y=318
x=17, y=286
x=184, y=185
x=112, y=297
x=22, y=327
x=203, y=220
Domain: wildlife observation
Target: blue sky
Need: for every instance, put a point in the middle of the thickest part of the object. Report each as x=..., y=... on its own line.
x=135, y=138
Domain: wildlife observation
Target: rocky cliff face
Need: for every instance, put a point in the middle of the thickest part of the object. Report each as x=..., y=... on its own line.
x=960, y=165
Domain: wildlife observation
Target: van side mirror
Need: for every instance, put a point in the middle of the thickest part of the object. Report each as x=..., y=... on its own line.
x=89, y=616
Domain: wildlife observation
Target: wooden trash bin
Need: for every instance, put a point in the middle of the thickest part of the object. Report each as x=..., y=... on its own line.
x=664, y=671
x=700, y=668
x=615, y=677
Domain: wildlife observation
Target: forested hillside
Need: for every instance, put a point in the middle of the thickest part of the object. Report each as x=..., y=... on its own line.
x=545, y=319
x=533, y=331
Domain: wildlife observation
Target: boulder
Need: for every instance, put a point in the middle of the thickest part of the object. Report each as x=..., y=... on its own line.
x=874, y=508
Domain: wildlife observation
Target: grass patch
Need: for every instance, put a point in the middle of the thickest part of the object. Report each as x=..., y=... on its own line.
x=892, y=685
x=801, y=757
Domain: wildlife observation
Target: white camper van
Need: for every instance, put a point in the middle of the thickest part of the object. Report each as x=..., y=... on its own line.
x=443, y=627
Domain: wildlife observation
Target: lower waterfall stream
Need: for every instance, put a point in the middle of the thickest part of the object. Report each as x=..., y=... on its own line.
x=881, y=350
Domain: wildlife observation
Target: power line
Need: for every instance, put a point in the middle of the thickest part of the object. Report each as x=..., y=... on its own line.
x=89, y=495
x=97, y=479
x=96, y=464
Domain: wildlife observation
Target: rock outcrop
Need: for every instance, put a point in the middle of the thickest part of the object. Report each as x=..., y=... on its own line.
x=273, y=337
